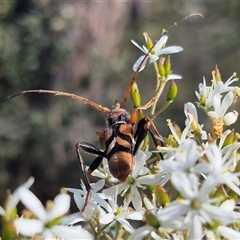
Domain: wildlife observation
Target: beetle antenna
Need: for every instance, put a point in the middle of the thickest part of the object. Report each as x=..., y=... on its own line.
x=58, y=93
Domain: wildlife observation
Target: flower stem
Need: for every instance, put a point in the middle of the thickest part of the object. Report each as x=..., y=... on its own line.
x=119, y=232
x=161, y=82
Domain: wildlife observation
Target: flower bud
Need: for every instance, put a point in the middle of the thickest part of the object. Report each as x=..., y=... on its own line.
x=233, y=195
x=161, y=68
x=135, y=95
x=151, y=220
x=217, y=74
x=237, y=169
x=172, y=92
x=8, y=229
x=167, y=67
x=148, y=41
x=162, y=196
x=229, y=139
x=218, y=193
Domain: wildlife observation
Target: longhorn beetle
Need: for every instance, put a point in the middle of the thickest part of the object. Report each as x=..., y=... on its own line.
x=121, y=143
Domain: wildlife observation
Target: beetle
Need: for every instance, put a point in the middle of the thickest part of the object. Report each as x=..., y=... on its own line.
x=121, y=143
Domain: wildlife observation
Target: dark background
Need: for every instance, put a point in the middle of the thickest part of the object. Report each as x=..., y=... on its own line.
x=84, y=48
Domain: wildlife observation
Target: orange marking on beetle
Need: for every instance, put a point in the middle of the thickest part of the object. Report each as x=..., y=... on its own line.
x=124, y=142
x=126, y=129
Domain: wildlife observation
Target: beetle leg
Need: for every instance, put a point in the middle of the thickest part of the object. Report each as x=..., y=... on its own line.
x=140, y=133
x=89, y=148
x=84, y=178
x=95, y=164
x=144, y=126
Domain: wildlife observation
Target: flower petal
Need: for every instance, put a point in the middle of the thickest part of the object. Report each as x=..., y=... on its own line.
x=61, y=206
x=138, y=62
x=160, y=44
x=71, y=232
x=136, y=201
x=78, y=199
x=14, y=199
x=32, y=203
x=228, y=233
x=107, y=218
x=169, y=50
x=196, y=228
x=137, y=45
x=126, y=225
x=28, y=227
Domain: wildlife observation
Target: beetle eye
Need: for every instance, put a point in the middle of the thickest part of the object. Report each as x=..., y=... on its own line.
x=110, y=122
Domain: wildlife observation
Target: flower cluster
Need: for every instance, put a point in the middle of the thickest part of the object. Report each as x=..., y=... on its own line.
x=186, y=189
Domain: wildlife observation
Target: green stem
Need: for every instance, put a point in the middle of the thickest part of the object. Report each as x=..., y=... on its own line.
x=119, y=232
x=161, y=109
x=161, y=82
x=101, y=231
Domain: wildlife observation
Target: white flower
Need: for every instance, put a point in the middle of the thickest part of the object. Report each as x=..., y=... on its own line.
x=224, y=231
x=207, y=93
x=183, y=159
x=220, y=109
x=179, y=139
x=220, y=165
x=153, y=56
x=142, y=232
x=120, y=214
x=46, y=222
x=135, y=180
x=13, y=199
x=94, y=199
x=224, y=87
x=196, y=207
x=191, y=126
x=192, y=120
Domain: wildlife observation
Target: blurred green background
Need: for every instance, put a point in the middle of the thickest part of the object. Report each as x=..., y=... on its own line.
x=84, y=48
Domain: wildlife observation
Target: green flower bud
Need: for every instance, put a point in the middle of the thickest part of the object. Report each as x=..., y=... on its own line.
x=8, y=229
x=229, y=139
x=219, y=193
x=151, y=220
x=135, y=95
x=217, y=74
x=162, y=196
x=213, y=225
x=172, y=92
x=167, y=67
x=237, y=169
x=232, y=194
x=149, y=42
x=161, y=68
